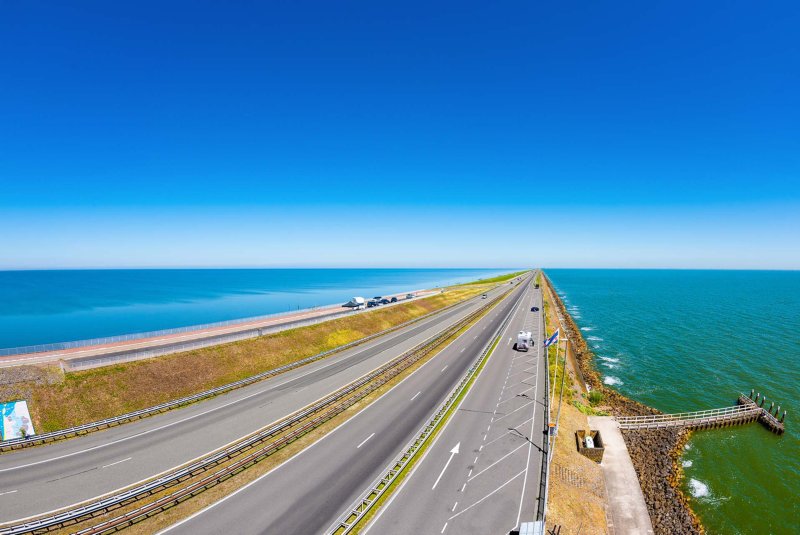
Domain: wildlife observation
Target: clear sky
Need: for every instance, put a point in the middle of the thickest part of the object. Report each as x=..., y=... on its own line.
x=364, y=133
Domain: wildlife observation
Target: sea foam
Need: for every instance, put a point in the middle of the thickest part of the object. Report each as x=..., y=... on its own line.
x=611, y=380
x=698, y=489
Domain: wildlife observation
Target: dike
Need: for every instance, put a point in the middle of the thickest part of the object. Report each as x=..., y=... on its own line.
x=655, y=453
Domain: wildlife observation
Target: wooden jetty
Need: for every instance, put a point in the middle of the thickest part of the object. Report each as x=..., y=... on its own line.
x=746, y=410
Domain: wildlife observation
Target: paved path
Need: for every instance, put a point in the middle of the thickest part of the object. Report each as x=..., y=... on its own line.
x=492, y=484
x=628, y=511
x=308, y=493
x=37, y=480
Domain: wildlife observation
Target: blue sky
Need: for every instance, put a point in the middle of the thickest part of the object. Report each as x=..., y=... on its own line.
x=583, y=134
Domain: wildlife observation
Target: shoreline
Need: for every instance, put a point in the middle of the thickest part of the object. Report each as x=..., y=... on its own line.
x=655, y=454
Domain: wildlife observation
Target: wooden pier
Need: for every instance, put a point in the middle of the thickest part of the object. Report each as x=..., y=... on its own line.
x=746, y=410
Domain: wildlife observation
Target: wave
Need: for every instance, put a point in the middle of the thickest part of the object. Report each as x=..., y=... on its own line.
x=587, y=328
x=608, y=359
x=611, y=380
x=687, y=463
x=698, y=489
x=594, y=338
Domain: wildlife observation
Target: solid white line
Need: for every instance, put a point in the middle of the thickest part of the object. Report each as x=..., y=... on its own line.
x=515, y=410
x=415, y=395
x=118, y=462
x=479, y=501
x=365, y=440
x=494, y=463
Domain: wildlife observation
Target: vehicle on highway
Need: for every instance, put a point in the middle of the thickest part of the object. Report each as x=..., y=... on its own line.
x=524, y=341
x=394, y=300
x=410, y=296
x=385, y=301
x=483, y=296
x=534, y=309
x=356, y=303
x=373, y=303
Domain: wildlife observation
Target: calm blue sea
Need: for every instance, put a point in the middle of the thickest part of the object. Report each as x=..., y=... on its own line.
x=691, y=340
x=38, y=307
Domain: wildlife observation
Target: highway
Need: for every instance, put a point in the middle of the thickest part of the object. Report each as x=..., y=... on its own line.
x=307, y=493
x=90, y=356
x=42, y=479
x=491, y=484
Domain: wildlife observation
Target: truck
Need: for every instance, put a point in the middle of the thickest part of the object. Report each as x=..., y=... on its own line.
x=524, y=341
x=356, y=303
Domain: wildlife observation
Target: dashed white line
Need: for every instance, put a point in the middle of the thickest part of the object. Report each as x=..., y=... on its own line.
x=13, y=491
x=488, y=495
x=462, y=350
x=497, y=461
x=454, y=507
x=365, y=440
x=463, y=487
x=444, y=527
x=445, y=367
x=118, y=462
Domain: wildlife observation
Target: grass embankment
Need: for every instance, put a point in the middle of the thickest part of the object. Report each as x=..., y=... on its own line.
x=576, y=496
x=91, y=395
x=499, y=278
x=188, y=507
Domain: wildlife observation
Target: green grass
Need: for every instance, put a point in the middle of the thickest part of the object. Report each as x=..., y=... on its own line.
x=499, y=278
x=587, y=410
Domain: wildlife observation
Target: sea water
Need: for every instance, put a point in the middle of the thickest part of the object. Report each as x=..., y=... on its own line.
x=39, y=307
x=690, y=340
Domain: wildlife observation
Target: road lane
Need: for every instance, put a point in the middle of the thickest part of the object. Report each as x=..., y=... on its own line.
x=493, y=485
x=64, y=473
x=308, y=492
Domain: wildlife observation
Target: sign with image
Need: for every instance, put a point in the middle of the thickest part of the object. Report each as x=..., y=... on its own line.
x=16, y=420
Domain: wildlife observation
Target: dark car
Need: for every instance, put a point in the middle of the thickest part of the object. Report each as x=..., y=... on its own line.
x=385, y=301
x=372, y=303
x=394, y=300
x=534, y=309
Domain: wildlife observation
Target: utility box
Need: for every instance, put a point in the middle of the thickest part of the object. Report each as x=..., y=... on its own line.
x=590, y=444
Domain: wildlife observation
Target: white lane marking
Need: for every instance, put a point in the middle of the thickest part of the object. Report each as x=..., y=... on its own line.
x=462, y=350
x=481, y=448
x=515, y=410
x=530, y=443
x=118, y=462
x=497, y=461
x=453, y=453
x=147, y=432
x=470, y=473
x=454, y=507
x=463, y=487
x=509, y=342
x=7, y=492
x=415, y=395
x=444, y=527
x=365, y=440
x=445, y=367
x=476, y=460
x=488, y=495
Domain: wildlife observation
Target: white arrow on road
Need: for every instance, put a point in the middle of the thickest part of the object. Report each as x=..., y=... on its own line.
x=452, y=454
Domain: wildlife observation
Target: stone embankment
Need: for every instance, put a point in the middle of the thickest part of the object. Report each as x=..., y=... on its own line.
x=655, y=453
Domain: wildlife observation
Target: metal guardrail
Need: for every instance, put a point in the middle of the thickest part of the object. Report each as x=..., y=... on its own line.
x=684, y=419
x=57, y=346
x=547, y=456
x=35, y=440
x=127, y=497
x=348, y=521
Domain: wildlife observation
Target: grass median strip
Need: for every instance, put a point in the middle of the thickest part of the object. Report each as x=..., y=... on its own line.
x=401, y=476
x=267, y=461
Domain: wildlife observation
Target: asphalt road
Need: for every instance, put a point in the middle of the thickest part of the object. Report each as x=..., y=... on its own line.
x=492, y=484
x=42, y=479
x=307, y=493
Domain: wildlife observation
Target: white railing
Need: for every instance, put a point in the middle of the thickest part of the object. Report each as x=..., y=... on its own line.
x=687, y=418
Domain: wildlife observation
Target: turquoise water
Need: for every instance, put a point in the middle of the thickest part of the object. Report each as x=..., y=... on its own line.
x=691, y=340
x=38, y=307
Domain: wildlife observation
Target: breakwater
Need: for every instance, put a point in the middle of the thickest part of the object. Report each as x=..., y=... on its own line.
x=655, y=454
